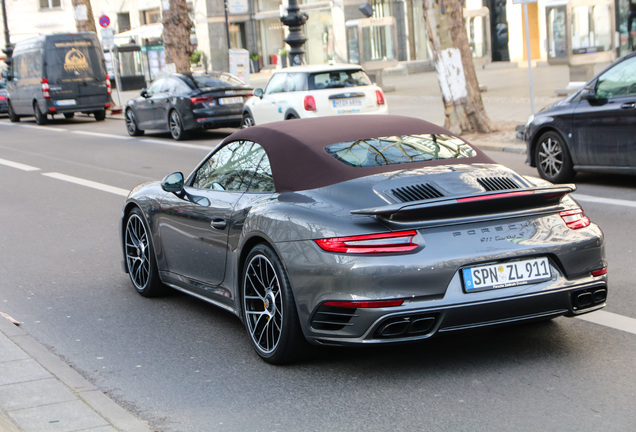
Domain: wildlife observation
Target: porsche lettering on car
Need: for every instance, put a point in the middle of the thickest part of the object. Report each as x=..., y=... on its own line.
x=362, y=230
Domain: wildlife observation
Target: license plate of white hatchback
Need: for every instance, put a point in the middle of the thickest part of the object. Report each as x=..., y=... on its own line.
x=347, y=102
x=508, y=274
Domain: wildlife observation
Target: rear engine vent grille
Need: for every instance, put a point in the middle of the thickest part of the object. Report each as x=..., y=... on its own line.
x=332, y=318
x=416, y=192
x=497, y=183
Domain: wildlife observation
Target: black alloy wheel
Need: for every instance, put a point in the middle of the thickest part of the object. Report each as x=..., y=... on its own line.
x=248, y=121
x=131, y=124
x=269, y=309
x=13, y=117
x=141, y=262
x=553, y=158
x=176, y=126
x=40, y=118
x=100, y=115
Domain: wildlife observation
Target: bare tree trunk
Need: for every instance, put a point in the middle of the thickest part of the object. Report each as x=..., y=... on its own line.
x=463, y=107
x=176, y=35
x=84, y=18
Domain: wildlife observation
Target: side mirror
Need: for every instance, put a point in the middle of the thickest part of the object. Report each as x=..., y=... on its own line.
x=144, y=93
x=258, y=93
x=588, y=93
x=173, y=183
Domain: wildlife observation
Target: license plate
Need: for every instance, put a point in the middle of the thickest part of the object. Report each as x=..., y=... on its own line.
x=504, y=275
x=231, y=100
x=65, y=102
x=347, y=102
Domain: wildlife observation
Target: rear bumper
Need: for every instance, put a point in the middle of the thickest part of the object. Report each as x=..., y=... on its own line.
x=414, y=321
x=232, y=121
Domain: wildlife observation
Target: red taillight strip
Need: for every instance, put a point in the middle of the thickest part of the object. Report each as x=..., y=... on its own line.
x=575, y=219
x=393, y=242
x=201, y=99
x=365, y=304
x=600, y=272
x=494, y=196
x=379, y=97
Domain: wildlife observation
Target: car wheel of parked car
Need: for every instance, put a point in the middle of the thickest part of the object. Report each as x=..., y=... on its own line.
x=269, y=309
x=248, y=121
x=131, y=124
x=176, y=126
x=553, y=158
x=100, y=115
x=40, y=118
x=13, y=117
x=141, y=262
x=69, y=115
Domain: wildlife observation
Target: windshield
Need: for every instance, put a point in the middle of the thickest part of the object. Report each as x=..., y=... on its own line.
x=217, y=80
x=338, y=79
x=393, y=150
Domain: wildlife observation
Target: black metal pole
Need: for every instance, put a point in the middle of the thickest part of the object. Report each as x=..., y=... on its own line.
x=296, y=38
x=7, y=40
x=227, y=25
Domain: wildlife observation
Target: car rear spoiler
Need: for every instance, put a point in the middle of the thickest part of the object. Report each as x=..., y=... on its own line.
x=472, y=205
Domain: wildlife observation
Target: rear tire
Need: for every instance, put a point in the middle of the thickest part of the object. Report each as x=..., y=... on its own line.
x=176, y=126
x=269, y=308
x=69, y=115
x=13, y=117
x=248, y=121
x=100, y=115
x=40, y=118
x=553, y=158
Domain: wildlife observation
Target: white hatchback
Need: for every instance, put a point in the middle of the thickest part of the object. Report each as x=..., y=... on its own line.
x=314, y=91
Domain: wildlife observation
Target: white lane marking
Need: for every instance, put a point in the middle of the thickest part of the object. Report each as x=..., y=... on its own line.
x=102, y=135
x=43, y=129
x=88, y=183
x=609, y=319
x=599, y=200
x=176, y=144
x=18, y=165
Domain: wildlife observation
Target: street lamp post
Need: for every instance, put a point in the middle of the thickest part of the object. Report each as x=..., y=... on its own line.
x=8, y=47
x=296, y=39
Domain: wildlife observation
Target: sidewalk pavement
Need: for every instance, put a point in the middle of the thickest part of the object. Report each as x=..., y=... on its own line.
x=39, y=392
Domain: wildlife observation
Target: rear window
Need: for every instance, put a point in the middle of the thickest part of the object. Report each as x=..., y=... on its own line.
x=220, y=80
x=403, y=149
x=74, y=60
x=338, y=79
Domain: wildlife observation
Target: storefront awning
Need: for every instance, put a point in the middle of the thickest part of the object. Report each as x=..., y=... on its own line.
x=151, y=31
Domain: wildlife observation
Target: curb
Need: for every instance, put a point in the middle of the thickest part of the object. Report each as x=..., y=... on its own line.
x=77, y=399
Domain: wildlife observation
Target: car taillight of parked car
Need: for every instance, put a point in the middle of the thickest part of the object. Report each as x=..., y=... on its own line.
x=108, y=86
x=310, y=103
x=379, y=97
x=45, y=89
x=203, y=100
x=3, y=98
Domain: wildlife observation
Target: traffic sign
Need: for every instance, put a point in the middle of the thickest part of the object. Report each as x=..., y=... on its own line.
x=104, y=21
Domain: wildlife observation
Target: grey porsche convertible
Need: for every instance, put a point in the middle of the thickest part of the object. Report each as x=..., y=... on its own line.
x=362, y=230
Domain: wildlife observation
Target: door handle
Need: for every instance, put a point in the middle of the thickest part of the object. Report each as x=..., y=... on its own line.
x=628, y=105
x=218, y=223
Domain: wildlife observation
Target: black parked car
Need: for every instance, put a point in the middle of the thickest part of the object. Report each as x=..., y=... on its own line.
x=593, y=129
x=182, y=103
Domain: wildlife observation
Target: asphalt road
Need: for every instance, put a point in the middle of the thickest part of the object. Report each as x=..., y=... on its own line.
x=184, y=365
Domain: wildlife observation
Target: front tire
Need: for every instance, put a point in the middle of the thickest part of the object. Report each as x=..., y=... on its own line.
x=40, y=117
x=13, y=117
x=141, y=262
x=176, y=126
x=269, y=308
x=131, y=124
x=553, y=158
